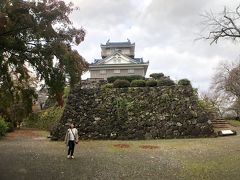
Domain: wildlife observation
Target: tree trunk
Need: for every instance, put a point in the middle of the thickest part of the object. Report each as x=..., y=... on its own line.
x=60, y=100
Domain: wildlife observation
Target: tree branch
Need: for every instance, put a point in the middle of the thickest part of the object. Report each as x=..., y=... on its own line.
x=15, y=30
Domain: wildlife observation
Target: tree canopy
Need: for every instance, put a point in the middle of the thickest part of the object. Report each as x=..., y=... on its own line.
x=36, y=38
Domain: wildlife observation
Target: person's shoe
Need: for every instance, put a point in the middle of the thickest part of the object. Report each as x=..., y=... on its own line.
x=72, y=157
x=68, y=156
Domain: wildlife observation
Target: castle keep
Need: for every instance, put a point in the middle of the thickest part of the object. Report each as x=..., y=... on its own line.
x=118, y=59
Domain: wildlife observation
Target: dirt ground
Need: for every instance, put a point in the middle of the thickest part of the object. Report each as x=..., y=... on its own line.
x=28, y=154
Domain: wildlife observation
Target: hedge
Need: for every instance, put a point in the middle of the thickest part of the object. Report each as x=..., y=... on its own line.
x=165, y=82
x=128, y=78
x=184, y=82
x=138, y=83
x=157, y=76
x=151, y=83
x=121, y=84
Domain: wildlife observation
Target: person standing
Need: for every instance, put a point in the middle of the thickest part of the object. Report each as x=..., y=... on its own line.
x=71, y=139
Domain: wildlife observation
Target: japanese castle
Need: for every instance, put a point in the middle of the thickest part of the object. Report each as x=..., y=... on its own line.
x=118, y=59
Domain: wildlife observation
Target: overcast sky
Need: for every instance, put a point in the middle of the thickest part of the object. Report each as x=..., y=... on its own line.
x=164, y=32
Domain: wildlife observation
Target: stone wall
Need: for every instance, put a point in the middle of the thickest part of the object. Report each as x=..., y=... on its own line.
x=135, y=113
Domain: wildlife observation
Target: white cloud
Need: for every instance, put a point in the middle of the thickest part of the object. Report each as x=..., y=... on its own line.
x=164, y=33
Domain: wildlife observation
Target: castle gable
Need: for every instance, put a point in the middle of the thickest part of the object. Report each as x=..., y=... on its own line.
x=117, y=58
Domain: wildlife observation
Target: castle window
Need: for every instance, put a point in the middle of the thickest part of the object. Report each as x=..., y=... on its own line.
x=131, y=71
x=102, y=71
x=116, y=71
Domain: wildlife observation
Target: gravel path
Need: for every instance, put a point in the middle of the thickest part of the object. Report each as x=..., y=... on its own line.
x=27, y=154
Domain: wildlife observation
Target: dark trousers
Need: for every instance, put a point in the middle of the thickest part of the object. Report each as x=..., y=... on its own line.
x=71, y=145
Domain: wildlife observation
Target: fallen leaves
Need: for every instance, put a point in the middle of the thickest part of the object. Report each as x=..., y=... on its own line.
x=141, y=146
x=121, y=145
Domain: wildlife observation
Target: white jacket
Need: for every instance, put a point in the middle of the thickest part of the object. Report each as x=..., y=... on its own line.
x=71, y=135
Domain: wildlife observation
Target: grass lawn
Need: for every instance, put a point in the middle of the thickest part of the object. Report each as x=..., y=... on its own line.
x=234, y=122
x=27, y=155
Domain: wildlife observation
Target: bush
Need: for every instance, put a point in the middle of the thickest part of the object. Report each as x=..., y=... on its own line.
x=10, y=127
x=184, y=82
x=134, y=77
x=121, y=84
x=3, y=127
x=165, y=82
x=32, y=120
x=151, y=83
x=138, y=83
x=50, y=102
x=128, y=78
x=44, y=119
x=107, y=86
x=157, y=75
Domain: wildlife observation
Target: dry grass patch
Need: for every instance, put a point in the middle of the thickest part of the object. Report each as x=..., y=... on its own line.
x=149, y=146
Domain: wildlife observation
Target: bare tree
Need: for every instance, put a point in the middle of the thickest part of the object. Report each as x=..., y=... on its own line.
x=235, y=108
x=216, y=102
x=232, y=84
x=222, y=25
x=226, y=81
x=226, y=87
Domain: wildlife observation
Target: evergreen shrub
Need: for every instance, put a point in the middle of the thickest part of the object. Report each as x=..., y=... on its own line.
x=138, y=83
x=121, y=83
x=151, y=83
x=3, y=126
